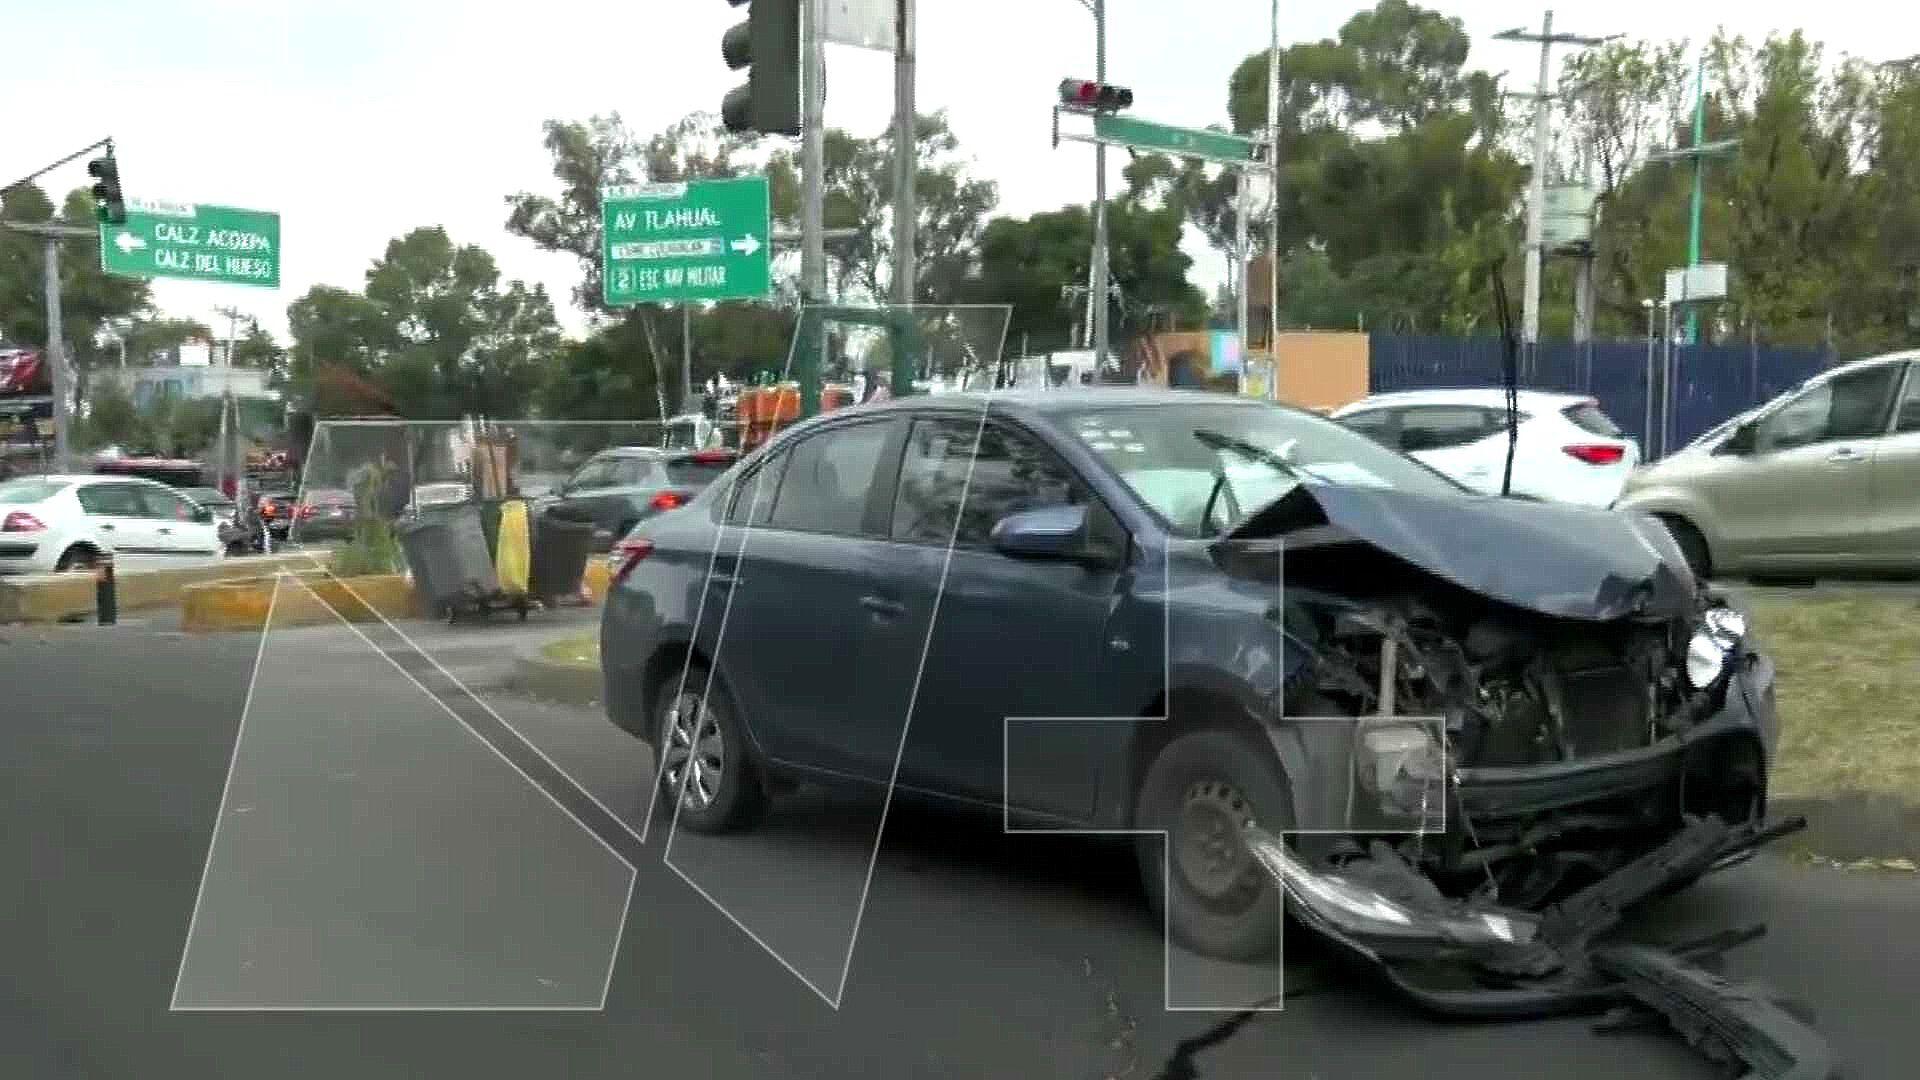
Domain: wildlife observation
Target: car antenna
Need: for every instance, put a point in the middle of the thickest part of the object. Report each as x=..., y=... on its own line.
x=1509, y=369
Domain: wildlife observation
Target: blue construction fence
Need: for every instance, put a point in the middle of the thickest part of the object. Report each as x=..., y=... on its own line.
x=1710, y=382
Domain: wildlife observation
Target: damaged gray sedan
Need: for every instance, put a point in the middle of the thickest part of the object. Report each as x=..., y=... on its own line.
x=1329, y=670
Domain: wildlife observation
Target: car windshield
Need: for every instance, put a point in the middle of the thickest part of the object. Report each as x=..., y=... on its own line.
x=29, y=491
x=1204, y=466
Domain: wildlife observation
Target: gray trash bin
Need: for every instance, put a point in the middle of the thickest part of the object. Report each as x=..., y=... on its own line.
x=446, y=549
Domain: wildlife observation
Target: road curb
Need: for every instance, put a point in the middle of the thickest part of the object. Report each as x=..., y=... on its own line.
x=568, y=684
x=45, y=598
x=315, y=601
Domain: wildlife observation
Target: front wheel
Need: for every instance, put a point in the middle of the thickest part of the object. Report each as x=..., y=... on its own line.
x=1201, y=790
x=704, y=759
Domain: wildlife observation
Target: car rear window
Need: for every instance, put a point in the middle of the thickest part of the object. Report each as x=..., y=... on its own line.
x=29, y=491
x=1588, y=418
x=697, y=472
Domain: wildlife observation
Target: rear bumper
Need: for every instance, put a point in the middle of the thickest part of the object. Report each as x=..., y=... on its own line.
x=1647, y=771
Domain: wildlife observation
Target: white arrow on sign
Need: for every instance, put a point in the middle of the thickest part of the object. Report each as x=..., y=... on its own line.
x=746, y=245
x=127, y=242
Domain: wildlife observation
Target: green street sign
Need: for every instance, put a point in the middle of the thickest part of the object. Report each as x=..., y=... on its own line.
x=1184, y=142
x=698, y=240
x=193, y=241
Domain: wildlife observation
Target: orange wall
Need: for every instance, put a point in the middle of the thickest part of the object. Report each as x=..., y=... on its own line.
x=1318, y=370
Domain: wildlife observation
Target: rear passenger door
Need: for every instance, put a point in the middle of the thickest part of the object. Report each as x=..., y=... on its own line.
x=802, y=585
x=170, y=519
x=1895, y=480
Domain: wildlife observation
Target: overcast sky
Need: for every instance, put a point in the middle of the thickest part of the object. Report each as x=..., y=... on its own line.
x=358, y=120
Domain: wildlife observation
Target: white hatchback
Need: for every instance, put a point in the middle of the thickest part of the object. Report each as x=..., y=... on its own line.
x=1567, y=449
x=50, y=523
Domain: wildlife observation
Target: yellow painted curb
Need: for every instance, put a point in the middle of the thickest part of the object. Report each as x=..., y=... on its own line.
x=311, y=600
x=53, y=597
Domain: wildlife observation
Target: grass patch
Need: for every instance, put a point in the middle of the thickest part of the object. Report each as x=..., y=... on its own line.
x=1849, y=693
x=581, y=651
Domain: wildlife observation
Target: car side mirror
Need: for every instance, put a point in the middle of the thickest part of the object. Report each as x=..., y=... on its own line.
x=202, y=515
x=1744, y=439
x=1051, y=532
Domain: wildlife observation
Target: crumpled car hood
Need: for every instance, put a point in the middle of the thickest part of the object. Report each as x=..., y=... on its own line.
x=1562, y=560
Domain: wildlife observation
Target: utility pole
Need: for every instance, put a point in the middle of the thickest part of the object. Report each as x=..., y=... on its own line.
x=905, y=163
x=1273, y=214
x=1099, y=8
x=813, y=260
x=1536, y=201
x=57, y=356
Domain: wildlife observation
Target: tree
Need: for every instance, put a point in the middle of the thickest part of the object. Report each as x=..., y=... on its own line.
x=434, y=330
x=111, y=418
x=89, y=297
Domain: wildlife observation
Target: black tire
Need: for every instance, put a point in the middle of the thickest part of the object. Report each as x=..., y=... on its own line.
x=1224, y=904
x=77, y=557
x=1692, y=545
x=738, y=798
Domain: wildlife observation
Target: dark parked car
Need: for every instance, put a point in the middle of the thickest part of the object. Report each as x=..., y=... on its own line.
x=276, y=507
x=619, y=488
x=324, y=514
x=1543, y=691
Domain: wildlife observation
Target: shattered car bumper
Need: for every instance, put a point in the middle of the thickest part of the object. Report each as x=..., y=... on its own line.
x=1475, y=959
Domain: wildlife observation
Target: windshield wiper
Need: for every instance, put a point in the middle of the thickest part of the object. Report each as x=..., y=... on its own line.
x=1246, y=449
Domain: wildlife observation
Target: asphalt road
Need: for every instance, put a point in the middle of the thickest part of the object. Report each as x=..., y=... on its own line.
x=387, y=854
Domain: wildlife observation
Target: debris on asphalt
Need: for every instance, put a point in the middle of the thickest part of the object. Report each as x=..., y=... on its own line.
x=1478, y=959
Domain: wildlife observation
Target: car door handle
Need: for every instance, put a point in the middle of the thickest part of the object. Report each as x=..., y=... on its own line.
x=1846, y=453
x=884, y=607
x=165, y=531
x=105, y=527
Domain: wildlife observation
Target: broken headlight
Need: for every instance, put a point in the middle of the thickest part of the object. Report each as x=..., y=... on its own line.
x=1713, y=643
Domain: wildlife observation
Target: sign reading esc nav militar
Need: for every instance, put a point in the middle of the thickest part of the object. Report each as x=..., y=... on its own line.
x=194, y=241
x=698, y=240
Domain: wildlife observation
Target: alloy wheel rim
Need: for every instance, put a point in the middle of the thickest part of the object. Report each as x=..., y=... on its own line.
x=694, y=752
x=1207, y=847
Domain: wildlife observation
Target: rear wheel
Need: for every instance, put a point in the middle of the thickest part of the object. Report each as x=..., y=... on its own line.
x=1202, y=789
x=704, y=759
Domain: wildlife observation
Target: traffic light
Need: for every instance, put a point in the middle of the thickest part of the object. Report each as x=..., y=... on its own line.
x=107, y=201
x=768, y=46
x=1085, y=95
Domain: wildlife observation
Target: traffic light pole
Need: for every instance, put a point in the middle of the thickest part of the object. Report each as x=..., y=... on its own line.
x=905, y=161
x=1100, y=305
x=813, y=268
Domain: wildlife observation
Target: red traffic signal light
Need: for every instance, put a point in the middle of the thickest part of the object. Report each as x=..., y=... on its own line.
x=1094, y=96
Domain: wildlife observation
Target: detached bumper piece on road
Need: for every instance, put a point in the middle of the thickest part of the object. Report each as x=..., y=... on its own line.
x=1480, y=960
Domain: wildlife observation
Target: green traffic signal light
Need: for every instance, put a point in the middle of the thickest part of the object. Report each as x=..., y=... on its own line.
x=108, y=201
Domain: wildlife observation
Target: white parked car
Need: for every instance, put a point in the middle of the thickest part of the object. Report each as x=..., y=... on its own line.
x=1568, y=450
x=52, y=523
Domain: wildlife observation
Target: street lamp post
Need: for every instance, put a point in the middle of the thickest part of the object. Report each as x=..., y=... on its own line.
x=1651, y=306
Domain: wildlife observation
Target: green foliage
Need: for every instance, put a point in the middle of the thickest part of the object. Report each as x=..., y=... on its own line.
x=373, y=547
x=89, y=297
x=111, y=418
x=434, y=331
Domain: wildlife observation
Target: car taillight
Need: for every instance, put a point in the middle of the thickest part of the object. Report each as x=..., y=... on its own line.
x=713, y=457
x=304, y=511
x=267, y=509
x=627, y=555
x=1596, y=453
x=668, y=500
x=21, y=521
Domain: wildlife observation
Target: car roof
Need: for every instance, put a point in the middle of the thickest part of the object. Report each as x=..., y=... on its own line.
x=1485, y=397
x=1866, y=362
x=84, y=479
x=1047, y=403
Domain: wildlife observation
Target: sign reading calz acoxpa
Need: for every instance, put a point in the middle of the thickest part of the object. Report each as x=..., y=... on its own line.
x=193, y=241
x=698, y=240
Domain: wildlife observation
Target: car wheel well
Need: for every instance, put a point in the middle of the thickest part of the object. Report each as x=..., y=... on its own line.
x=1185, y=710
x=665, y=664
x=1693, y=542
x=85, y=548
